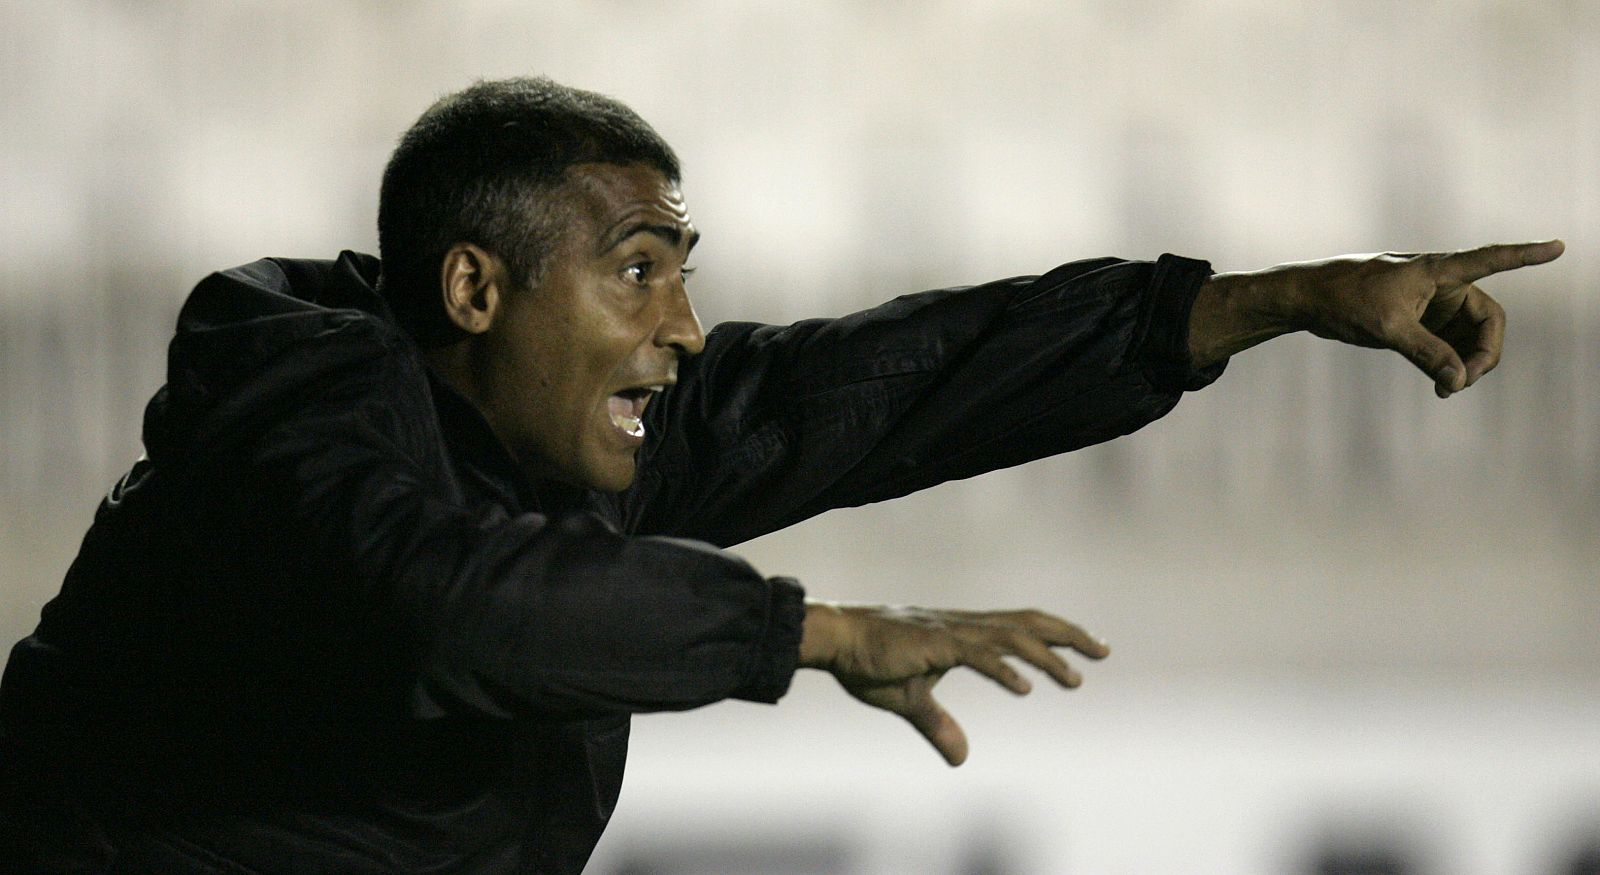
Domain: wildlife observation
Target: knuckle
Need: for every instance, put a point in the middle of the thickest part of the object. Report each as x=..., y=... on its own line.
x=970, y=652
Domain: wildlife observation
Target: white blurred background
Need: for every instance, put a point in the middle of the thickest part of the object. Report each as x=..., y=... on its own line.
x=1355, y=626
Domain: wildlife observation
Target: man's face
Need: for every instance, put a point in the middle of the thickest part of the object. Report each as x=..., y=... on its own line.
x=568, y=367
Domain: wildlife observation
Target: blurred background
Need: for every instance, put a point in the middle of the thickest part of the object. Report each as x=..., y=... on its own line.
x=1355, y=627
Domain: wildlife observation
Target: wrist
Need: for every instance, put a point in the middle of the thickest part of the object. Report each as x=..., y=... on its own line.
x=1235, y=311
x=821, y=634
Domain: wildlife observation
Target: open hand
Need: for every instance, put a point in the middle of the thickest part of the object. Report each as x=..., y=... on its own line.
x=891, y=657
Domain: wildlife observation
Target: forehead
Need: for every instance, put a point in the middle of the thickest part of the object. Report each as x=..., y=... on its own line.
x=604, y=197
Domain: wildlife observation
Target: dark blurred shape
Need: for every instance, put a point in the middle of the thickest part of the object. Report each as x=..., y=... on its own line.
x=986, y=857
x=1364, y=842
x=812, y=854
x=1585, y=859
x=1364, y=860
x=751, y=855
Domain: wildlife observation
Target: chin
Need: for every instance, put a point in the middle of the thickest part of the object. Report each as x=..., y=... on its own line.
x=610, y=478
x=601, y=475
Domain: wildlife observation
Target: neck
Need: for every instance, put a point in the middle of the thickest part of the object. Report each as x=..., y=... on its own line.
x=453, y=362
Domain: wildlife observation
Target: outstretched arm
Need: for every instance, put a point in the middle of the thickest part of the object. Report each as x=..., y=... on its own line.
x=773, y=424
x=1423, y=306
x=891, y=657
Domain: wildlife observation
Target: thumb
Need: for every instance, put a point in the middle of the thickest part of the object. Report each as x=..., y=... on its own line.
x=1432, y=355
x=942, y=731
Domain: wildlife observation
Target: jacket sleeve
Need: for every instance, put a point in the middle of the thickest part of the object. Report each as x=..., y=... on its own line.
x=774, y=424
x=317, y=474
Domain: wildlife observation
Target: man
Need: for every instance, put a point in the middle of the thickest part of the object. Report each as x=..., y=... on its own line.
x=412, y=540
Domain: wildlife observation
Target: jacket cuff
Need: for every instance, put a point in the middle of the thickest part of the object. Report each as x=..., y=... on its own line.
x=1163, y=334
x=779, y=651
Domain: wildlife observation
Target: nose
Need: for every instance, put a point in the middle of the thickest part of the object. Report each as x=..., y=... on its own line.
x=680, y=327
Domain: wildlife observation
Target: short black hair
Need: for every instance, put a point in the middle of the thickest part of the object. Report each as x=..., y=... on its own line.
x=479, y=166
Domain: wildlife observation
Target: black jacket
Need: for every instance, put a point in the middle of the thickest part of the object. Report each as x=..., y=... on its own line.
x=327, y=625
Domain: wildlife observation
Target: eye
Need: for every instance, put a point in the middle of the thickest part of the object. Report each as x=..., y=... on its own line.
x=638, y=273
x=686, y=271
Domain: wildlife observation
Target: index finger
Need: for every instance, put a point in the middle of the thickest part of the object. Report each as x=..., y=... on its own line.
x=1471, y=265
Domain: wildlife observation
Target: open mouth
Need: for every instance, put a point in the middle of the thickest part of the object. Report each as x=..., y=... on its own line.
x=627, y=409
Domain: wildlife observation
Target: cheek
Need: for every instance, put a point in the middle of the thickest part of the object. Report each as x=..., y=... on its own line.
x=602, y=350
x=566, y=359
x=536, y=355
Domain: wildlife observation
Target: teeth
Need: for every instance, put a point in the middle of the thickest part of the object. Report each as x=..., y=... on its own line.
x=630, y=424
x=627, y=406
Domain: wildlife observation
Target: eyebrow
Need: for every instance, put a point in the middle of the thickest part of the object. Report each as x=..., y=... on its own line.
x=672, y=234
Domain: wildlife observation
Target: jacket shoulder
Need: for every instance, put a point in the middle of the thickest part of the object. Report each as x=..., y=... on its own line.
x=252, y=339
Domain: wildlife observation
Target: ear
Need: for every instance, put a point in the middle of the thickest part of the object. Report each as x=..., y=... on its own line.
x=472, y=285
